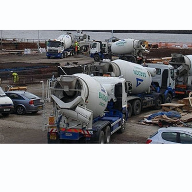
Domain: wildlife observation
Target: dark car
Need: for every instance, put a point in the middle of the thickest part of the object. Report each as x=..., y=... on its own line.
x=25, y=102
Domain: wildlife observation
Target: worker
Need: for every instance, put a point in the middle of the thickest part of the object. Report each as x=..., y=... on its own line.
x=76, y=47
x=15, y=77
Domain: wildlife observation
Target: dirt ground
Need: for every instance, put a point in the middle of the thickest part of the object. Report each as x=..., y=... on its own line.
x=29, y=129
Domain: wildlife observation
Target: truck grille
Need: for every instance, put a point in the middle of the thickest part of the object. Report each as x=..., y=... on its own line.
x=53, y=51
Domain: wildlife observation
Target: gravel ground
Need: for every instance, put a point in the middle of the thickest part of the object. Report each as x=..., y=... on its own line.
x=29, y=128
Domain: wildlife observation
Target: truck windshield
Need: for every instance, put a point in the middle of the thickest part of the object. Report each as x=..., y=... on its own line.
x=94, y=45
x=53, y=44
x=172, y=73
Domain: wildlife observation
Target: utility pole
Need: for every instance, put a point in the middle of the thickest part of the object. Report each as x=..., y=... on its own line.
x=38, y=40
x=1, y=41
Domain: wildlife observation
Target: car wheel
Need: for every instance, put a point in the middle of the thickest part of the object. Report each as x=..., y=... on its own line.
x=20, y=110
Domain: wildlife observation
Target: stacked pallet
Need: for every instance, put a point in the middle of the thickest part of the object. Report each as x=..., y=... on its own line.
x=187, y=107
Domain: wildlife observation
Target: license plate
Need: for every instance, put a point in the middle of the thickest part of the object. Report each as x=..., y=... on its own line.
x=40, y=107
x=53, y=136
x=6, y=109
x=68, y=134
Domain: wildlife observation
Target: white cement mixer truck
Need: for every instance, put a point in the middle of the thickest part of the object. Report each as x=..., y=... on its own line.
x=126, y=49
x=183, y=73
x=60, y=47
x=141, y=93
x=87, y=109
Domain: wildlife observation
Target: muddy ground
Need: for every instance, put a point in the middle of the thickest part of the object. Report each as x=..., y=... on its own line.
x=29, y=129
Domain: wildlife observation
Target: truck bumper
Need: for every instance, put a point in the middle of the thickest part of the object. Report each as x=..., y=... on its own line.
x=55, y=55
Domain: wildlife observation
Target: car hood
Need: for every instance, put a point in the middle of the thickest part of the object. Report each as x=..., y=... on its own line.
x=5, y=100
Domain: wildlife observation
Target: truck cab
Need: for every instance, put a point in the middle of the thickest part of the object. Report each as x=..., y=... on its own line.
x=54, y=49
x=100, y=50
x=164, y=79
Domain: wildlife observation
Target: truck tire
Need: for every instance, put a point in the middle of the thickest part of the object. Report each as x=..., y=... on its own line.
x=61, y=56
x=96, y=58
x=101, y=138
x=131, y=59
x=122, y=129
x=130, y=110
x=106, y=56
x=168, y=98
x=137, y=107
x=107, y=134
x=158, y=103
x=48, y=57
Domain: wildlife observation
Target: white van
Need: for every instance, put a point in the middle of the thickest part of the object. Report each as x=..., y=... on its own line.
x=6, y=104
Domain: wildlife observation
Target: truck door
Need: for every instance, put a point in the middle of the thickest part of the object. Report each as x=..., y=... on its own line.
x=164, y=79
x=118, y=96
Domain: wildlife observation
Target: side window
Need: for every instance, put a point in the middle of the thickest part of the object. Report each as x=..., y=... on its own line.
x=170, y=136
x=185, y=139
x=15, y=96
x=158, y=71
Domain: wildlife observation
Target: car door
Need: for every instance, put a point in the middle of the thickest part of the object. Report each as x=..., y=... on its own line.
x=185, y=138
x=17, y=99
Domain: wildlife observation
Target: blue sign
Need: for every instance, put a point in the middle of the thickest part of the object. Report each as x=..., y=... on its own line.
x=138, y=81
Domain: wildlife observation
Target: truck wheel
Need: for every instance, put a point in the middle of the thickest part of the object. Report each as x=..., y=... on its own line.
x=61, y=56
x=137, y=107
x=101, y=138
x=107, y=134
x=48, y=57
x=168, y=98
x=96, y=57
x=122, y=129
x=158, y=103
x=129, y=107
x=132, y=59
x=106, y=57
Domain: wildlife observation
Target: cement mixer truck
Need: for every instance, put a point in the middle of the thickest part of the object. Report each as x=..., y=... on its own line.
x=60, y=47
x=126, y=49
x=87, y=109
x=183, y=73
x=141, y=93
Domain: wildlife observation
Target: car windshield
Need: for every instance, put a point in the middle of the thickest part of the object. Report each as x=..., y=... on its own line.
x=29, y=95
x=2, y=93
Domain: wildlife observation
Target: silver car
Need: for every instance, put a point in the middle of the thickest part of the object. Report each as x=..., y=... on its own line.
x=25, y=102
x=171, y=135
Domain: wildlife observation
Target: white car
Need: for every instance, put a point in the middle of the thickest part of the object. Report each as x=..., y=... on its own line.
x=171, y=135
x=6, y=104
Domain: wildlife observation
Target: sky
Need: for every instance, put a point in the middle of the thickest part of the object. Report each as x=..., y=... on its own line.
x=87, y=14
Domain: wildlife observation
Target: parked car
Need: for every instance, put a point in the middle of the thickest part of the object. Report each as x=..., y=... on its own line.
x=171, y=135
x=6, y=104
x=25, y=102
